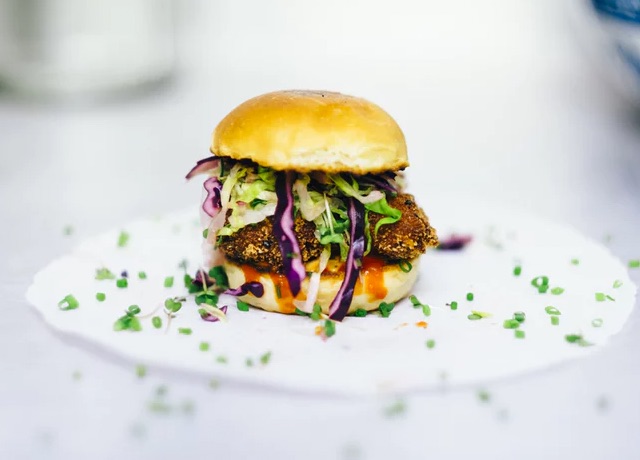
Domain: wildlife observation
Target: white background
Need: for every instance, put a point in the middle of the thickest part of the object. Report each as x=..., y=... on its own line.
x=497, y=99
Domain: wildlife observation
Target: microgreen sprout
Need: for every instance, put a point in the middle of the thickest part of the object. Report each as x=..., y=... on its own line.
x=129, y=322
x=476, y=315
x=555, y=320
x=635, y=263
x=142, y=275
x=577, y=339
x=122, y=283
x=265, y=358
x=123, y=239
x=517, y=270
x=453, y=305
x=519, y=334
x=470, y=296
x=360, y=312
x=316, y=313
x=168, y=281
x=597, y=322
x=104, y=274
x=204, y=346
x=617, y=284
x=100, y=296
x=430, y=344
x=386, y=309
x=426, y=309
x=557, y=290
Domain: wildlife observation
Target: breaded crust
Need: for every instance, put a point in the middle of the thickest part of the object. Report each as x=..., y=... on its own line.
x=405, y=240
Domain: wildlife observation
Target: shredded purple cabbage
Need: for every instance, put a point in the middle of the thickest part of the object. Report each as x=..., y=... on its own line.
x=379, y=181
x=212, y=203
x=341, y=303
x=254, y=287
x=202, y=166
x=209, y=317
x=454, y=242
x=284, y=232
x=199, y=279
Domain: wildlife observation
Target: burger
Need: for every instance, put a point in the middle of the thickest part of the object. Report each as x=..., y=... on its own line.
x=304, y=205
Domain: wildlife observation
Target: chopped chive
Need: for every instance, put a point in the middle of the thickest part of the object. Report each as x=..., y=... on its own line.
x=360, y=312
x=67, y=230
x=329, y=328
x=557, y=290
x=470, y=296
x=396, y=409
x=405, y=266
x=157, y=322
x=133, y=310
x=142, y=275
x=141, y=371
x=204, y=346
x=69, y=302
x=511, y=324
x=517, y=270
x=453, y=305
x=123, y=239
x=474, y=317
x=205, y=233
x=617, y=284
x=386, y=308
x=300, y=312
x=242, y=306
x=575, y=262
x=635, y=263
x=122, y=283
x=555, y=320
x=184, y=263
x=127, y=322
x=552, y=310
x=168, y=282
x=484, y=396
x=104, y=274
x=481, y=314
x=100, y=296
x=519, y=316
x=221, y=359
x=431, y=343
x=577, y=339
x=541, y=283
x=597, y=322
x=519, y=334
x=248, y=362
x=265, y=358
x=600, y=297
x=184, y=330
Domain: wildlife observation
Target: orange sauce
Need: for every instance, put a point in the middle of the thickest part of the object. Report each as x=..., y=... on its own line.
x=285, y=298
x=422, y=324
x=373, y=278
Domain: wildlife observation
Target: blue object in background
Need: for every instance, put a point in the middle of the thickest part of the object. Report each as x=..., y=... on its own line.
x=626, y=10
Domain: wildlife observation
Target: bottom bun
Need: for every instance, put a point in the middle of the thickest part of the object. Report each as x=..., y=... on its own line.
x=378, y=282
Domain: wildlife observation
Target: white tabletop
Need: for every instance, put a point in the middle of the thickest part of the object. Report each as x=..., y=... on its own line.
x=497, y=101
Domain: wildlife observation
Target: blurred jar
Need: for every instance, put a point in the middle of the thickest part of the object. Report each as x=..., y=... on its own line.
x=84, y=48
x=610, y=29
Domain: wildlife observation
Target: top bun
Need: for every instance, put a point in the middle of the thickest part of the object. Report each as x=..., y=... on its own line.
x=312, y=131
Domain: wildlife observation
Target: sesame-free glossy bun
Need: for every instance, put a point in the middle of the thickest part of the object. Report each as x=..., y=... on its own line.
x=312, y=131
x=368, y=296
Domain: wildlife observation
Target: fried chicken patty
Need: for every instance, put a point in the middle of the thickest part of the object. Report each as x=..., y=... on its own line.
x=405, y=239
